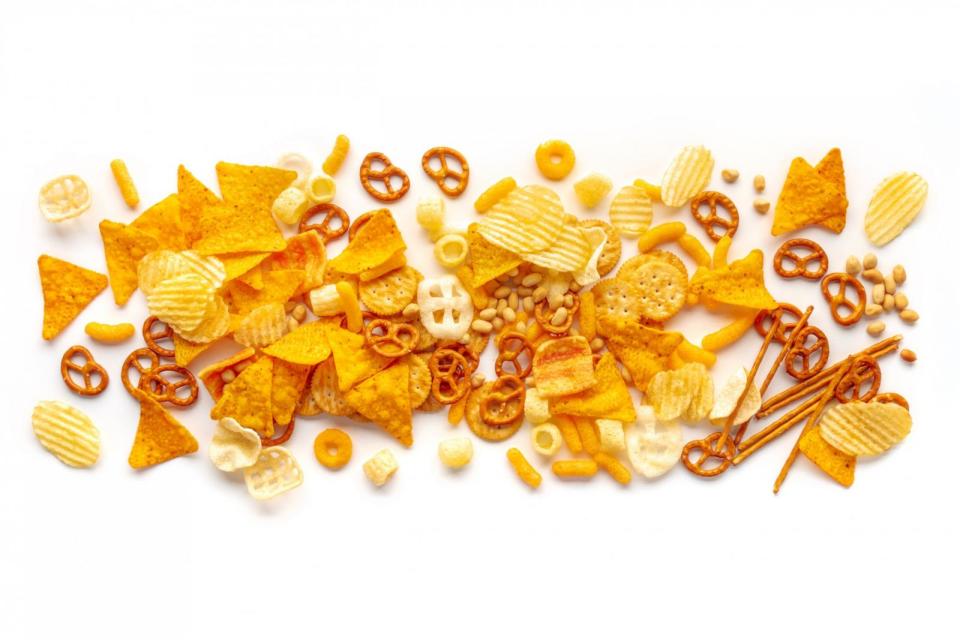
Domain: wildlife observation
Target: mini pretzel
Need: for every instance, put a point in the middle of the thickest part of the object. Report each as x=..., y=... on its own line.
x=153, y=337
x=391, y=339
x=893, y=398
x=153, y=383
x=864, y=369
x=467, y=351
x=503, y=403
x=788, y=251
x=544, y=314
x=451, y=376
x=715, y=200
x=839, y=299
x=708, y=452
x=765, y=318
x=440, y=175
x=385, y=175
x=87, y=371
x=800, y=354
x=277, y=440
x=512, y=345
x=329, y=212
x=133, y=360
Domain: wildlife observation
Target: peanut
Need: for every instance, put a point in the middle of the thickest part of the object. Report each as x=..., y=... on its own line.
x=872, y=275
x=853, y=265
x=876, y=327
x=899, y=274
x=909, y=316
x=878, y=294
x=481, y=326
x=729, y=175
x=908, y=355
x=759, y=183
x=761, y=205
x=870, y=261
x=900, y=301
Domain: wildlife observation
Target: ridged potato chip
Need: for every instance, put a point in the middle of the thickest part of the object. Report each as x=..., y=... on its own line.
x=276, y=471
x=181, y=302
x=895, y=203
x=685, y=393
x=563, y=366
x=67, y=433
x=263, y=326
x=158, y=266
x=233, y=446
x=392, y=292
x=589, y=273
x=865, y=428
x=215, y=324
x=528, y=219
x=67, y=290
x=686, y=176
x=653, y=448
x=631, y=211
x=729, y=393
x=569, y=252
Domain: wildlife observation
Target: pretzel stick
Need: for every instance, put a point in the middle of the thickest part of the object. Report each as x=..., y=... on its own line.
x=775, y=429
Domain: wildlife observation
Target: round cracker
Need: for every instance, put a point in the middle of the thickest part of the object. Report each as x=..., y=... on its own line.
x=663, y=290
x=420, y=380
x=481, y=429
x=391, y=292
x=325, y=390
x=628, y=269
x=612, y=250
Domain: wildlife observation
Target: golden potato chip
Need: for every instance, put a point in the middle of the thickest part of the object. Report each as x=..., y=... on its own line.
x=631, y=211
x=304, y=252
x=157, y=266
x=163, y=222
x=181, y=302
x=895, y=203
x=392, y=292
x=662, y=289
x=325, y=390
x=569, y=252
x=67, y=290
x=528, y=219
x=809, y=198
x=653, y=448
x=275, y=472
x=644, y=351
x=354, y=362
x=241, y=265
x=609, y=252
x=123, y=246
x=248, y=399
x=563, y=366
x=212, y=376
x=193, y=197
x=263, y=326
x=278, y=286
x=835, y=463
x=726, y=399
x=236, y=228
x=373, y=244
x=739, y=283
x=160, y=437
x=210, y=268
x=233, y=446
x=420, y=379
x=384, y=398
x=289, y=381
x=487, y=260
x=216, y=323
x=67, y=433
x=686, y=176
x=669, y=394
x=609, y=398
x=307, y=344
x=701, y=391
x=865, y=428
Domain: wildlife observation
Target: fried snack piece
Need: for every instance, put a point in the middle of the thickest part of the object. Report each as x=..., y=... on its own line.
x=574, y=469
x=109, y=333
x=563, y=366
x=895, y=203
x=67, y=433
x=631, y=211
x=812, y=196
x=487, y=260
x=263, y=326
x=613, y=467
x=609, y=398
x=686, y=392
x=835, y=463
x=610, y=433
x=64, y=197
x=67, y=290
x=527, y=220
x=536, y=408
x=392, y=292
x=164, y=222
x=652, y=448
x=740, y=284
x=325, y=391
x=546, y=439
x=523, y=468
x=193, y=198
x=384, y=398
x=354, y=362
x=277, y=286
x=307, y=345
x=248, y=399
x=644, y=351
x=729, y=393
x=591, y=189
x=729, y=334
x=275, y=472
x=455, y=453
x=215, y=377
x=233, y=446
x=375, y=242
x=605, y=257
x=160, y=437
x=123, y=247
x=491, y=433
x=555, y=159
x=381, y=467
x=686, y=176
x=494, y=194
x=865, y=428
x=333, y=448
x=662, y=288
x=569, y=252
x=661, y=234
x=289, y=381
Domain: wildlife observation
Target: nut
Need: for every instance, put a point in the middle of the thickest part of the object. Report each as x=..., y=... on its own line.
x=872, y=275
x=513, y=301
x=761, y=205
x=528, y=304
x=909, y=316
x=481, y=326
x=523, y=292
x=899, y=274
x=531, y=279
x=509, y=315
x=759, y=183
x=559, y=316
x=730, y=175
x=596, y=344
x=908, y=355
x=412, y=310
x=870, y=261
x=878, y=293
x=539, y=294
x=889, y=284
x=292, y=324
x=888, y=302
x=555, y=301
x=299, y=312
x=488, y=314
x=876, y=327
x=521, y=326
x=501, y=305
x=853, y=265
x=873, y=309
x=477, y=380
x=228, y=376
x=501, y=292
x=900, y=301
x=497, y=323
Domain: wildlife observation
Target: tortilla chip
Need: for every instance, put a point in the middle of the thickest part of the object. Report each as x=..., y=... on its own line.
x=307, y=344
x=211, y=378
x=305, y=252
x=241, y=265
x=185, y=352
x=644, y=351
x=278, y=286
x=354, y=362
x=835, y=463
x=609, y=398
x=193, y=197
x=248, y=398
x=235, y=228
x=487, y=260
x=739, y=283
x=163, y=222
x=811, y=198
x=478, y=295
x=253, y=186
x=67, y=290
x=160, y=436
x=289, y=381
x=831, y=168
x=397, y=261
x=123, y=247
x=385, y=400
x=374, y=243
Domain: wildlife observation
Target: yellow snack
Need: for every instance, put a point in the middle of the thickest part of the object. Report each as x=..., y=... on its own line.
x=373, y=244
x=238, y=227
x=181, y=302
x=695, y=249
x=686, y=176
x=381, y=467
x=631, y=211
x=652, y=190
x=563, y=366
x=588, y=434
x=304, y=252
x=286, y=387
x=740, y=284
x=720, y=252
x=865, y=428
x=609, y=398
x=574, y=469
x=67, y=433
x=660, y=234
x=248, y=399
x=451, y=250
x=546, y=439
x=350, y=306
x=604, y=240
x=163, y=221
x=290, y=205
x=160, y=437
x=354, y=362
x=593, y=188
x=262, y=327
x=212, y=376
x=243, y=266
x=835, y=463
x=337, y=155
x=217, y=322
x=527, y=220
x=613, y=466
x=324, y=301
x=320, y=188
x=193, y=198
x=726, y=399
x=431, y=215
x=728, y=335
x=456, y=453
x=686, y=392
x=895, y=203
x=275, y=472
x=278, y=286
x=306, y=345
x=457, y=411
x=384, y=398
x=127, y=189
x=571, y=251
x=588, y=315
x=812, y=196
x=555, y=159
x=662, y=289
x=536, y=408
x=494, y=194
x=642, y=350
x=571, y=437
x=123, y=247
x=333, y=448
x=64, y=197
x=109, y=333
x=691, y=353
x=524, y=469
x=390, y=293
x=487, y=260
x=233, y=446
x=394, y=262
x=325, y=390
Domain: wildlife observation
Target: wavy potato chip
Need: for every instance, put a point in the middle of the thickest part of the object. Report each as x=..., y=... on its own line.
x=123, y=247
x=67, y=290
x=609, y=398
x=275, y=472
x=216, y=323
x=835, y=463
x=739, y=283
x=384, y=398
x=289, y=381
x=569, y=252
x=487, y=260
x=160, y=437
x=631, y=211
x=233, y=446
x=67, y=433
x=686, y=176
x=563, y=366
x=895, y=203
x=528, y=219
x=248, y=398
x=374, y=243
x=685, y=393
x=163, y=222
x=181, y=302
x=865, y=428
x=263, y=326
x=392, y=292
x=653, y=448
x=726, y=399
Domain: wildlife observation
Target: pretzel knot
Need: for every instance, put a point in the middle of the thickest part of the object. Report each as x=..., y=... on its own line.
x=503, y=403
x=391, y=339
x=711, y=461
x=512, y=346
x=135, y=361
x=545, y=315
x=892, y=398
x=329, y=212
x=277, y=440
x=865, y=369
x=801, y=354
x=789, y=251
x=156, y=384
x=441, y=175
x=715, y=201
x=369, y=175
x=766, y=318
x=88, y=369
x=153, y=337
x=450, y=371
x=839, y=301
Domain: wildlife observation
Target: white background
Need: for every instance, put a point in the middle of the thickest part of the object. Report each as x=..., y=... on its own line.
x=181, y=550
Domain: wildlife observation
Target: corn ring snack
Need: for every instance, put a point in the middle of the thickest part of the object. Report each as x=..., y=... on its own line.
x=588, y=434
x=591, y=189
x=494, y=194
x=333, y=448
x=660, y=234
x=574, y=469
x=631, y=210
x=109, y=333
x=122, y=177
x=555, y=159
x=689, y=352
x=337, y=155
x=451, y=250
x=720, y=251
x=614, y=467
x=350, y=306
x=381, y=467
x=290, y=205
x=298, y=163
x=695, y=249
x=525, y=471
x=64, y=197
x=571, y=436
x=687, y=175
x=546, y=439
x=320, y=188
x=726, y=336
x=455, y=453
x=67, y=433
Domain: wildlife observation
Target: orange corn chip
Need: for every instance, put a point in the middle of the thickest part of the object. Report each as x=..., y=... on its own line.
x=307, y=344
x=397, y=261
x=812, y=196
x=238, y=265
x=289, y=381
x=163, y=222
x=248, y=398
x=563, y=366
x=487, y=260
x=305, y=252
x=185, y=352
x=831, y=168
x=193, y=197
x=374, y=243
x=643, y=351
x=252, y=278
x=278, y=286
x=123, y=246
x=237, y=227
x=353, y=362
x=385, y=399
x=739, y=283
x=477, y=294
x=160, y=436
x=253, y=186
x=835, y=463
x=67, y=290
x=211, y=376
x=609, y=398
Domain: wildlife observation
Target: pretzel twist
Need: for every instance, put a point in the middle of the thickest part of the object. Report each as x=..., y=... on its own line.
x=330, y=212
x=277, y=440
x=87, y=370
x=503, y=403
x=391, y=339
x=784, y=330
x=512, y=345
x=839, y=300
x=440, y=175
x=153, y=337
x=864, y=369
x=369, y=175
x=789, y=251
x=801, y=354
x=715, y=201
x=450, y=371
x=709, y=452
x=133, y=362
x=154, y=384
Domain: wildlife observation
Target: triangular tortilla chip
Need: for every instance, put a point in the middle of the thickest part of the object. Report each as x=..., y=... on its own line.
x=373, y=244
x=835, y=463
x=487, y=260
x=235, y=228
x=609, y=398
x=163, y=222
x=193, y=197
x=739, y=283
x=253, y=186
x=385, y=400
x=353, y=361
x=831, y=168
x=185, y=352
x=278, y=286
x=644, y=351
x=289, y=381
x=307, y=344
x=237, y=265
x=306, y=252
x=67, y=290
x=160, y=436
x=248, y=398
x=123, y=247
x=252, y=278
x=807, y=198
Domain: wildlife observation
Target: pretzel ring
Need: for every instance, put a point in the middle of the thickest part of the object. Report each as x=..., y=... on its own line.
x=499, y=407
x=715, y=200
x=87, y=371
x=440, y=175
x=133, y=360
x=391, y=339
x=277, y=440
x=839, y=299
x=329, y=211
x=450, y=371
x=800, y=355
x=766, y=317
x=368, y=175
x=893, y=398
x=544, y=314
x=153, y=338
x=708, y=452
x=160, y=389
x=788, y=251
x=512, y=345
x=864, y=369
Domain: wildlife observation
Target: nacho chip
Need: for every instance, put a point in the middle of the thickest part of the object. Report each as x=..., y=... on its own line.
x=478, y=295
x=609, y=398
x=354, y=362
x=236, y=228
x=212, y=376
x=193, y=197
x=278, y=286
x=835, y=463
x=644, y=351
x=392, y=292
x=528, y=219
x=160, y=436
x=123, y=247
x=289, y=381
x=263, y=326
x=67, y=290
x=384, y=398
x=307, y=344
x=253, y=186
x=162, y=221
x=185, y=352
x=248, y=399
x=563, y=366
x=739, y=283
x=305, y=252
x=830, y=168
x=809, y=198
x=487, y=260
x=374, y=243
x=241, y=265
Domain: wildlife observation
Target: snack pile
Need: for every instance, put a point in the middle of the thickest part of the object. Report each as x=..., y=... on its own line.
x=329, y=320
